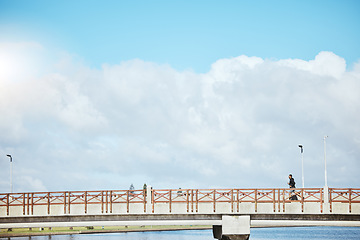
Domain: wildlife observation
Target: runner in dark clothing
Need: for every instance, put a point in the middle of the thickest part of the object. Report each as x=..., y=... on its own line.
x=292, y=185
x=291, y=182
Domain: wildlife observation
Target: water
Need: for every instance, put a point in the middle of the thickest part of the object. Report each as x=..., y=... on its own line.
x=294, y=233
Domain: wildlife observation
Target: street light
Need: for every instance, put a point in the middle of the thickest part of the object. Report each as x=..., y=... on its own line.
x=302, y=164
x=325, y=159
x=11, y=186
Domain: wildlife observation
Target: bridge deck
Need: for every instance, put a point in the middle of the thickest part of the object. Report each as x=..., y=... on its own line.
x=257, y=220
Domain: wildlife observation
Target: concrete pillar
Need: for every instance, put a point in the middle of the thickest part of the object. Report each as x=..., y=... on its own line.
x=148, y=199
x=233, y=228
x=326, y=200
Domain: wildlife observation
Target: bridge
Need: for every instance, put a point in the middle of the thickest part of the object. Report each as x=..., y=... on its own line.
x=231, y=212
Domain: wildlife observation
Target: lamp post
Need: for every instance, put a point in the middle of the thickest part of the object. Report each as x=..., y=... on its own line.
x=325, y=159
x=302, y=165
x=11, y=186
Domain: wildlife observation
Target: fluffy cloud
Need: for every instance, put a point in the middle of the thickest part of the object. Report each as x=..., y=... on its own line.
x=73, y=127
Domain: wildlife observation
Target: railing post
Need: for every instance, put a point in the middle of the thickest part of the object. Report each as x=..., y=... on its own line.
x=64, y=202
x=187, y=200
x=255, y=200
x=283, y=199
x=102, y=202
x=153, y=200
x=85, y=198
x=321, y=201
x=238, y=200
x=107, y=201
x=214, y=196
x=69, y=201
x=170, y=195
x=232, y=200
x=330, y=199
x=127, y=201
x=192, y=200
x=302, y=200
x=24, y=201
x=279, y=200
x=197, y=200
x=350, y=200
x=48, y=202
x=144, y=200
x=7, y=204
x=111, y=202
x=32, y=203
x=274, y=204
x=28, y=204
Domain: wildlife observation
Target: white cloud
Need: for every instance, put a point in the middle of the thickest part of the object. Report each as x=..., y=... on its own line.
x=31, y=183
x=236, y=126
x=325, y=63
x=20, y=61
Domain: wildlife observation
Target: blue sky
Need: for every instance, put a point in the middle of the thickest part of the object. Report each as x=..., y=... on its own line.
x=186, y=34
x=192, y=94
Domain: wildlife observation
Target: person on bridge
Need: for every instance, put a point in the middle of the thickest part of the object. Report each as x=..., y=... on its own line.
x=291, y=184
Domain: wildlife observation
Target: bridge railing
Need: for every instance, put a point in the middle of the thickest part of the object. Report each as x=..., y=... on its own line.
x=105, y=199
x=191, y=200
x=344, y=195
x=277, y=197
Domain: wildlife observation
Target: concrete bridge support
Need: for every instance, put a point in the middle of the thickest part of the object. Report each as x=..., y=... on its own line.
x=326, y=200
x=233, y=228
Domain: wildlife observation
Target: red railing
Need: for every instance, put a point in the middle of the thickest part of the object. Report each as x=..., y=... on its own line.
x=105, y=199
x=193, y=198
x=344, y=195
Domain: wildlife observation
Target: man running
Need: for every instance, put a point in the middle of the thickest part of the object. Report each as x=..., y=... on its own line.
x=291, y=184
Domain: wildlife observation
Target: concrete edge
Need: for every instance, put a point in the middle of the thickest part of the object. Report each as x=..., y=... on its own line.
x=28, y=234
x=111, y=223
x=296, y=223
